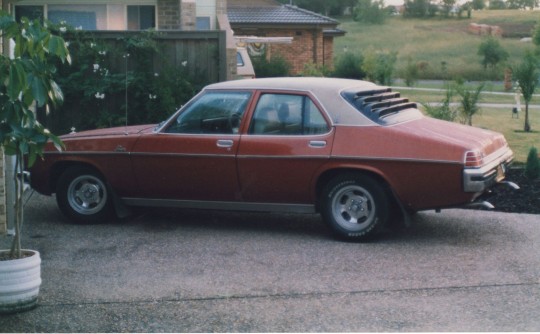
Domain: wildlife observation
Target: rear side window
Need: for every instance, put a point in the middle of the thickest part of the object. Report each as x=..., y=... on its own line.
x=287, y=114
x=382, y=105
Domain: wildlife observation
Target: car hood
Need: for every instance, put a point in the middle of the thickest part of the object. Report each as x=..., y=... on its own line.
x=108, y=132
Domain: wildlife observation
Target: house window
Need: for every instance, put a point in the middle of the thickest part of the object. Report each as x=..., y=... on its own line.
x=86, y=17
x=141, y=17
x=30, y=12
x=203, y=23
x=93, y=17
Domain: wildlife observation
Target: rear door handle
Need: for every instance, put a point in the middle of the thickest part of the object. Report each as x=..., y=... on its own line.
x=317, y=143
x=226, y=143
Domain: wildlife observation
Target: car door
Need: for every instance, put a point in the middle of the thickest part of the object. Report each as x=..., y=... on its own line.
x=287, y=141
x=193, y=156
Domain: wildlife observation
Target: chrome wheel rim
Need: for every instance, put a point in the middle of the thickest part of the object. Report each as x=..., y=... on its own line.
x=353, y=208
x=87, y=195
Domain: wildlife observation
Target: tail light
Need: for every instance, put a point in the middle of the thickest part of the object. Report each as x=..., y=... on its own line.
x=474, y=159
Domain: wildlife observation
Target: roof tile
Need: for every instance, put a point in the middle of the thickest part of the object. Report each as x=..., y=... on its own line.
x=285, y=14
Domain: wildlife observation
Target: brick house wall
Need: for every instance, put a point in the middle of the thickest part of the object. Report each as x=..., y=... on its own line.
x=169, y=14
x=188, y=18
x=309, y=46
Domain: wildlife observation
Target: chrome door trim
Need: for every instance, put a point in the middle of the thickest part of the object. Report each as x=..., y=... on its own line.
x=218, y=205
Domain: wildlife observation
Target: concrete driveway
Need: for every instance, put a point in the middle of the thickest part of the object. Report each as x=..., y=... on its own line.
x=200, y=271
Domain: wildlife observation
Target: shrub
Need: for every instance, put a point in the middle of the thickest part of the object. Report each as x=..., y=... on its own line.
x=379, y=66
x=532, y=168
x=469, y=99
x=411, y=73
x=114, y=83
x=313, y=70
x=536, y=37
x=349, y=66
x=277, y=66
x=444, y=109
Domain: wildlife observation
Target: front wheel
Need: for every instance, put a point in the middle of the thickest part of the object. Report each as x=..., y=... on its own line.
x=354, y=206
x=83, y=196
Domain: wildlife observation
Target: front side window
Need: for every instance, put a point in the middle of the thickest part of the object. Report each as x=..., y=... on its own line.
x=212, y=113
x=285, y=114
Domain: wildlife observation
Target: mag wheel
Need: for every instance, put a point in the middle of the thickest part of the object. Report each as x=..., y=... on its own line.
x=83, y=196
x=354, y=206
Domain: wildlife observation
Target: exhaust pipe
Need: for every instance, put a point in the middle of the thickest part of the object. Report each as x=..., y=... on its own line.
x=510, y=184
x=481, y=204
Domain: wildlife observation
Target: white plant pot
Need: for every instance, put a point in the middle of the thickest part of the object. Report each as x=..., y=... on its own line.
x=20, y=280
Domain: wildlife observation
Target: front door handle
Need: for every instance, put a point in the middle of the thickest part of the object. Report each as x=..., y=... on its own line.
x=317, y=143
x=226, y=143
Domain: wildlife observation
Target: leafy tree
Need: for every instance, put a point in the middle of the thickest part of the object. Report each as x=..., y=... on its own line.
x=469, y=101
x=369, y=11
x=447, y=6
x=27, y=81
x=522, y=4
x=416, y=8
x=527, y=74
x=492, y=52
x=478, y=4
x=497, y=4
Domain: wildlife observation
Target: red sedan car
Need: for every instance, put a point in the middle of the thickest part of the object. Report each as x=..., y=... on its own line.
x=350, y=150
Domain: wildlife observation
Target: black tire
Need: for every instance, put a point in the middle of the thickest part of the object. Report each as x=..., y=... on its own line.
x=354, y=206
x=83, y=196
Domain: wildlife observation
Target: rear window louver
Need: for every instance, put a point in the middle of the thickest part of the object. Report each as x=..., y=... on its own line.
x=380, y=102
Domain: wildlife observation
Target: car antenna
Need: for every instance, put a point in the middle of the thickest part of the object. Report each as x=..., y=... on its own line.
x=126, y=56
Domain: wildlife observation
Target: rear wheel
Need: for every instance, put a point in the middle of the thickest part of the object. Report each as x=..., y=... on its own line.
x=83, y=196
x=354, y=206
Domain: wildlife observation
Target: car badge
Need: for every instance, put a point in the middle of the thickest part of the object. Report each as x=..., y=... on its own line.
x=120, y=148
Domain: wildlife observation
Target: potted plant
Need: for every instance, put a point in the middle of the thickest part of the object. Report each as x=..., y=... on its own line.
x=25, y=83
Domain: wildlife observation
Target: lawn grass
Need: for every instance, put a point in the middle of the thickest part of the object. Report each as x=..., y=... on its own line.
x=500, y=120
x=436, y=42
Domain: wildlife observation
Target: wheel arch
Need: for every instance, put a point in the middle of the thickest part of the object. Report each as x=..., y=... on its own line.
x=61, y=166
x=329, y=174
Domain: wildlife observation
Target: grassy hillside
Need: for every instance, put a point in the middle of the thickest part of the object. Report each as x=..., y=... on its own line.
x=436, y=42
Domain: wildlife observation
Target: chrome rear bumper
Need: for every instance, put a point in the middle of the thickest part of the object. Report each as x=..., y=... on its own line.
x=478, y=180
